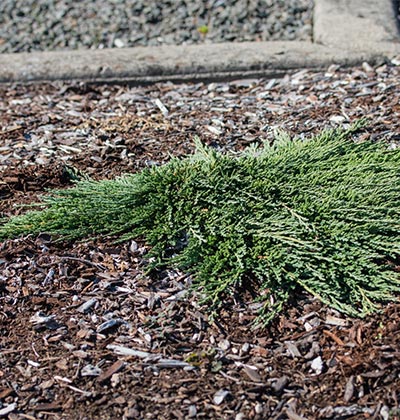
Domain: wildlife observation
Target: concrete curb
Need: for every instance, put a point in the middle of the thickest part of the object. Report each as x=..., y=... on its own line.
x=356, y=24
x=345, y=32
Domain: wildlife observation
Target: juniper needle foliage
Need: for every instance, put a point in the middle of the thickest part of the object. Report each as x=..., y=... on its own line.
x=321, y=215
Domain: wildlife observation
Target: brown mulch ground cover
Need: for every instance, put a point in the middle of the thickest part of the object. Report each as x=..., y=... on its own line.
x=85, y=333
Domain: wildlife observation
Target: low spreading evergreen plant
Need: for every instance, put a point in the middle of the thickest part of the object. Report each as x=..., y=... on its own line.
x=320, y=215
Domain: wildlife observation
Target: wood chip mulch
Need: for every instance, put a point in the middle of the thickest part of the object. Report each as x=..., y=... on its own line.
x=85, y=333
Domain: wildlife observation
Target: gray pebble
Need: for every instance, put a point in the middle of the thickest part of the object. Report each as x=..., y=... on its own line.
x=37, y=25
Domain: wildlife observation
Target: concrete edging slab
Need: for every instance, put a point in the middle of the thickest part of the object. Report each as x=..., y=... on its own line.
x=355, y=24
x=346, y=32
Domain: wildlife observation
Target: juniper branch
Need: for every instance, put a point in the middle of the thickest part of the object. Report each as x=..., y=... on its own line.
x=321, y=215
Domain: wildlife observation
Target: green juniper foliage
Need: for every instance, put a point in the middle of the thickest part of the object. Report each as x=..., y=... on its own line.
x=321, y=215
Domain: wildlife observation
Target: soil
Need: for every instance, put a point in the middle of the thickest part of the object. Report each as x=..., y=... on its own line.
x=87, y=333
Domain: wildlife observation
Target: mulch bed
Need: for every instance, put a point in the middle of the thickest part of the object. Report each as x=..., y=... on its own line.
x=87, y=333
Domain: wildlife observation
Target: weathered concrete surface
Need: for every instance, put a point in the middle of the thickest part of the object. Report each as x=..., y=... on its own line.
x=346, y=32
x=180, y=62
x=355, y=24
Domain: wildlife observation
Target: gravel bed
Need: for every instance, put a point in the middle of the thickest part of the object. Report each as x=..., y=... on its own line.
x=37, y=25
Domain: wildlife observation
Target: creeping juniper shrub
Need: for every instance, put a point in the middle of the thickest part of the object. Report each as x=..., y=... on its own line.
x=321, y=215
